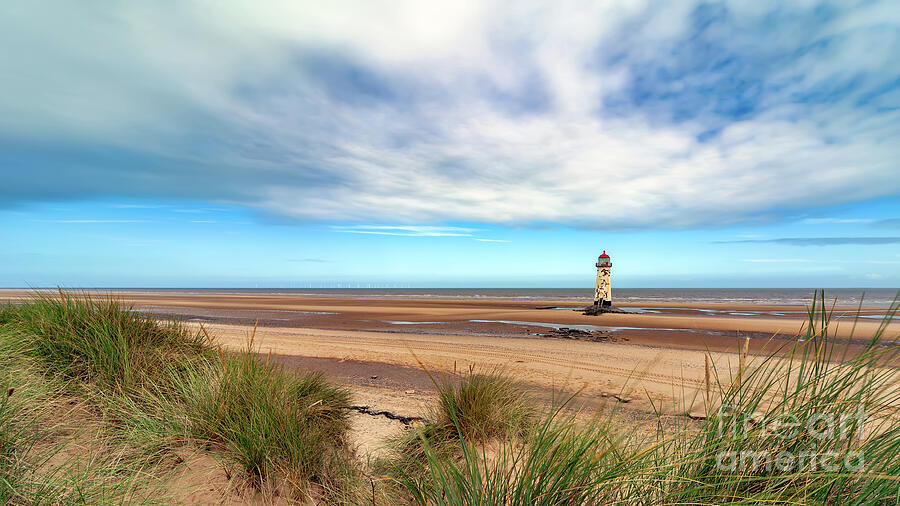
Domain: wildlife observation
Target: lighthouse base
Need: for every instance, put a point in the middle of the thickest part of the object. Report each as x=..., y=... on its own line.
x=603, y=307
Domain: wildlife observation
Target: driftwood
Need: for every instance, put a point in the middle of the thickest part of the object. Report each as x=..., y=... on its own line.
x=405, y=420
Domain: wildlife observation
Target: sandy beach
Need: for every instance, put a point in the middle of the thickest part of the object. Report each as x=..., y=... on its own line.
x=379, y=346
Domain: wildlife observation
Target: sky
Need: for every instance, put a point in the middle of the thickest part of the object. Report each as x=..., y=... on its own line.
x=458, y=144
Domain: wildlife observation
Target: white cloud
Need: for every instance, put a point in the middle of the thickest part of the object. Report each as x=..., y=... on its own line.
x=491, y=240
x=451, y=146
x=817, y=221
x=775, y=260
x=406, y=230
x=138, y=206
x=102, y=221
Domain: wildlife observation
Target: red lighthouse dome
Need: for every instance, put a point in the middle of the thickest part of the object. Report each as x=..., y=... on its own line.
x=603, y=260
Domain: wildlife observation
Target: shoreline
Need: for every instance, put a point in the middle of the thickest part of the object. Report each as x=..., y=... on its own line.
x=473, y=295
x=675, y=326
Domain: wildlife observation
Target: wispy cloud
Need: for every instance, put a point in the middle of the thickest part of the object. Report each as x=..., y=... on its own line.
x=775, y=260
x=138, y=206
x=819, y=241
x=199, y=210
x=102, y=221
x=888, y=223
x=406, y=230
x=491, y=240
x=128, y=240
x=819, y=221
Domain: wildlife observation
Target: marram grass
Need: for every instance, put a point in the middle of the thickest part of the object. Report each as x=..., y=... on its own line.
x=272, y=422
x=35, y=430
x=159, y=386
x=779, y=408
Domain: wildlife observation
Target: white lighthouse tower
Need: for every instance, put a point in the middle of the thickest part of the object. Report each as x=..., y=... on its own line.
x=603, y=290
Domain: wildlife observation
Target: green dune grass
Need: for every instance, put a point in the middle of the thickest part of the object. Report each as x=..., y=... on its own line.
x=732, y=456
x=160, y=387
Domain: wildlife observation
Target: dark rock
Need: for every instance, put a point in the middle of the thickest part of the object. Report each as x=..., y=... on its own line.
x=583, y=335
x=593, y=310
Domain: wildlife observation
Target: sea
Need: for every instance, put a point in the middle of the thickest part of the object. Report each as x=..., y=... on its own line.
x=868, y=297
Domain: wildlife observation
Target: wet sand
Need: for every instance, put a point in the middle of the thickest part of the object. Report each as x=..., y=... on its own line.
x=683, y=326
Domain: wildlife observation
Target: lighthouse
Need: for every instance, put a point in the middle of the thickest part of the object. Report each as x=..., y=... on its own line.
x=603, y=290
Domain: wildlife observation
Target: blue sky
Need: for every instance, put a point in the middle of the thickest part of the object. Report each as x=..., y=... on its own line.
x=464, y=144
